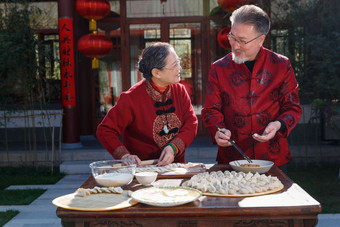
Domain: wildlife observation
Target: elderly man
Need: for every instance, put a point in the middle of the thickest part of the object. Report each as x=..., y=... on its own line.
x=252, y=94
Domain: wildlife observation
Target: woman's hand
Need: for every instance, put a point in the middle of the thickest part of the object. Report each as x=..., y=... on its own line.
x=166, y=157
x=130, y=157
x=222, y=138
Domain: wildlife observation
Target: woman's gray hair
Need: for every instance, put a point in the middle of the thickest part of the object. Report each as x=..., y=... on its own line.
x=153, y=56
x=251, y=15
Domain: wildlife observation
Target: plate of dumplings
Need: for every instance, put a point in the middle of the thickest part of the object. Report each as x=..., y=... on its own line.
x=234, y=184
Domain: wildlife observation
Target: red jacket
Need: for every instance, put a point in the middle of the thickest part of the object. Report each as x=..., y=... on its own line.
x=245, y=103
x=140, y=120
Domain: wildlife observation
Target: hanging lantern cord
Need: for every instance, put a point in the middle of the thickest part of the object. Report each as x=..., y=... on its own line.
x=92, y=25
x=95, y=63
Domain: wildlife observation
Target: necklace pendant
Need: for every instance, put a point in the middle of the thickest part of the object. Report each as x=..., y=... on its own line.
x=165, y=129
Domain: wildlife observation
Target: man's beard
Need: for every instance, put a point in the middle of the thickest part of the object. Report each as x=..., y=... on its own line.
x=236, y=59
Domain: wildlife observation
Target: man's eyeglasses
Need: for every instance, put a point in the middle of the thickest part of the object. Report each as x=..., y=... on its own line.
x=176, y=66
x=240, y=42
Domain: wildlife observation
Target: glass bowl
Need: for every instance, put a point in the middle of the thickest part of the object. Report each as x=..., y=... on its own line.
x=113, y=173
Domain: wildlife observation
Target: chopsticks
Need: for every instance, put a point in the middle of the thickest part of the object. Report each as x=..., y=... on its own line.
x=237, y=148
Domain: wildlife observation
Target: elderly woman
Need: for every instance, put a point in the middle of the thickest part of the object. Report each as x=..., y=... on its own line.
x=155, y=116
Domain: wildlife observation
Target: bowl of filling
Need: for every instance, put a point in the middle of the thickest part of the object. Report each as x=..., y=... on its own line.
x=113, y=173
x=260, y=166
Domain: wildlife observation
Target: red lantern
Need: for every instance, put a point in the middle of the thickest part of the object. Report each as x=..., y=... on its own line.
x=94, y=46
x=222, y=38
x=93, y=10
x=230, y=5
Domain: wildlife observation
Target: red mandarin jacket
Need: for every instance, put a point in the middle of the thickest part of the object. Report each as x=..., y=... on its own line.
x=246, y=102
x=140, y=115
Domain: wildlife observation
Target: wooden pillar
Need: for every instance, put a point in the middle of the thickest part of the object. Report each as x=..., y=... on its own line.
x=70, y=128
x=125, y=47
x=85, y=81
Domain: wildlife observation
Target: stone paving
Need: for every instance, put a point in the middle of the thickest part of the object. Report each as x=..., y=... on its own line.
x=42, y=212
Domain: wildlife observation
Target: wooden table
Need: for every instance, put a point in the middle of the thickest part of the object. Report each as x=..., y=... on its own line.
x=290, y=207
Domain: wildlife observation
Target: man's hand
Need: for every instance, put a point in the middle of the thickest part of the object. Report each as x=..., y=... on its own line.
x=167, y=156
x=222, y=138
x=269, y=132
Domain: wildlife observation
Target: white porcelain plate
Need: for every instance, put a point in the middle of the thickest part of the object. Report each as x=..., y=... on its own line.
x=166, y=196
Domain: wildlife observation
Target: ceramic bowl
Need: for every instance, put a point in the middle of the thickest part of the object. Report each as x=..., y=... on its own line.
x=146, y=178
x=113, y=173
x=263, y=168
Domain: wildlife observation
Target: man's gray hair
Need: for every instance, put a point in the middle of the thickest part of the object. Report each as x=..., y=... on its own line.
x=251, y=15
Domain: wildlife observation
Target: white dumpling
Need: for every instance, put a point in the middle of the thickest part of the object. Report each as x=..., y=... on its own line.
x=205, y=188
x=93, y=191
x=234, y=187
x=219, y=189
x=244, y=191
x=264, y=188
x=257, y=189
x=199, y=187
x=194, y=184
x=271, y=186
x=224, y=191
x=220, y=174
x=231, y=191
x=105, y=190
x=225, y=180
x=250, y=189
x=253, y=179
x=82, y=192
x=227, y=173
x=117, y=190
x=211, y=188
x=195, y=177
x=213, y=174
x=234, y=182
x=248, y=176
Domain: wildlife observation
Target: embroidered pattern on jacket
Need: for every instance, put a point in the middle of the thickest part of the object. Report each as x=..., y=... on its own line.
x=238, y=78
x=225, y=98
x=173, y=122
x=154, y=94
x=263, y=118
x=166, y=115
x=263, y=77
x=239, y=120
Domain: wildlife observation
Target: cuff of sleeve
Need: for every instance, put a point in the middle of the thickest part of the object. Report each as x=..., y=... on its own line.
x=120, y=152
x=283, y=125
x=179, y=144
